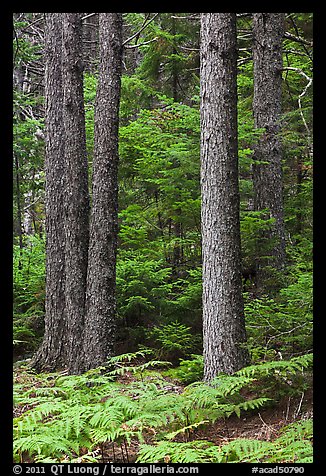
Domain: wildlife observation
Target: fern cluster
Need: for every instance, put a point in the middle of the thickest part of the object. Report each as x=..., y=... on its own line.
x=71, y=418
x=293, y=446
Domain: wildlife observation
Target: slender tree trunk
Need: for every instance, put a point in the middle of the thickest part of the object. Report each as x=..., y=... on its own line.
x=177, y=225
x=76, y=219
x=101, y=278
x=52, y=355
x=19, y=209
x=223, y=312
x=299, y=204
x=174, y=65
x=268, y=31
x=18, y=82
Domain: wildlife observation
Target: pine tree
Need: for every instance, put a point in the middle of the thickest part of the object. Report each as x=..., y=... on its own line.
x=52, y=354
x=76, y=218
x=268, y=31
x=101, y=300
x=223, y=312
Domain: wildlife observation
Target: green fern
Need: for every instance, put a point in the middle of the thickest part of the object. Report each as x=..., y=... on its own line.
x=168, y=452
x=284, y=367
x=64, y=414
x=293, y=446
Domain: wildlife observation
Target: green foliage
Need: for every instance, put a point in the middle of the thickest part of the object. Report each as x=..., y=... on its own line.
x=29, y=293
x=189, y=370
x=119, y=362
x=253, y=227
x=159, y=279
x=282, y=378
x=159, y=216
x=293, y=446
x=140, y=287
x=165, y=63
x=281, y=325
x=73, y=415
x=288, y=366
x=136, y=95
x=24, y=50
x=174, y=340
x=90, y=85
x=159, y=254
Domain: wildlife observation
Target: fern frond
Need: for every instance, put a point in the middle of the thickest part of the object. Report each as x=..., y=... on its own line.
x=175, y=452
x=130, y=356
x=44, y=444
x=185, y=429
x=245, y=450
x=107, y=417
x=288, y=366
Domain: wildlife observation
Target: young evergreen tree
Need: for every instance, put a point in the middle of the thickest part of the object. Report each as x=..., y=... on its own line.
x=223, y=313
x=99, y=329
x=52, y=353
x=76, y=217
x=268, y=31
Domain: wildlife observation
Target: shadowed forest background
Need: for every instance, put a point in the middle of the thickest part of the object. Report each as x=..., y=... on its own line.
x=155, y=399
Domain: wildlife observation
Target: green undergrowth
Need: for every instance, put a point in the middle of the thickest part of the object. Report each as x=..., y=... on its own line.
x=293, y=445
x=129, y=401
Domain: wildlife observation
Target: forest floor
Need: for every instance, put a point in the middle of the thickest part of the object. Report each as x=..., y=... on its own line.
x=263, y=425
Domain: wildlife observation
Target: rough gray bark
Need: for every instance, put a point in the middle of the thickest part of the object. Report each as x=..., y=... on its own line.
x=223, y=313
x=19, y=206
x=101, y=301
x=51, y=354
x=76, y=218
x=268, y=31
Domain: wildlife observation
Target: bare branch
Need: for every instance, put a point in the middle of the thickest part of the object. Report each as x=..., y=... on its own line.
x=298, y=39
x=309, y=83
x=17, y=46
x=141, y=44
x=188, y=49
x=242, y=61
x=144, y=25
x=32, y=23
x=191, y=17
x=88, y=16
x=298, y=34
x=300, y=71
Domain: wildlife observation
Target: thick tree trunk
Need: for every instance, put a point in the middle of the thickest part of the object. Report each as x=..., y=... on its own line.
x=268, y=31
x=76, y=219
x=101, y=278
x=51, y=355
x=223, y=313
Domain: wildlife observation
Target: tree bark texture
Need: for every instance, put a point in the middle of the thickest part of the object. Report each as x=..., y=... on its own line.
x=51, y=354
x=19, y=207
x=268, y=31
x=100, y=323
x=76, y=218
x=223, y=312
